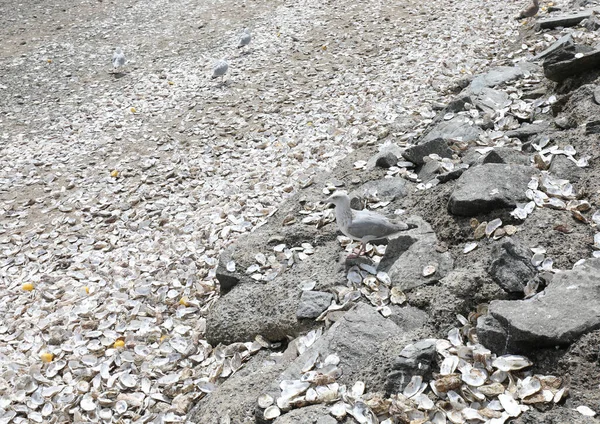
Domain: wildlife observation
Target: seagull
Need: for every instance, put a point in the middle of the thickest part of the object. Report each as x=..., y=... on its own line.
x=245, y=38
x=364, y=226
x=220, y=69
x=118, y=59
x=530, y=11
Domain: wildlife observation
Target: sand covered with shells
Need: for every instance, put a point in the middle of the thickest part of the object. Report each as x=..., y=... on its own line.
x=118, y=192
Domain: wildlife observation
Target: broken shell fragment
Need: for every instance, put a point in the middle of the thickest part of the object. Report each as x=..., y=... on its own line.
x=492, y=226
x=429, y=270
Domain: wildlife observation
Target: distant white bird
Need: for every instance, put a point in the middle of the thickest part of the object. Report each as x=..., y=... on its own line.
x=364, y=226
x=245, y=38
x=118, y=59
x=220, y=68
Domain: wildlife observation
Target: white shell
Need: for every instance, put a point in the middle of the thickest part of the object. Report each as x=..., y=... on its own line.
x=511, y=362
x=413, y=387
x=429, y=270
x=469, y=247
x=449, y=365
x=584, y=410
x=265, y=400
x=510, y=405
x=87, y=403
x=272, y=412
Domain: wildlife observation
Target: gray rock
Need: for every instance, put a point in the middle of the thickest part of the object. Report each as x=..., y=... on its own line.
x=366, y=344
x=505, y=155
x=597, y=95
x=592, y=127
x=408, y=317
x=492, y=335
x=312, y=414
x=527, y=130
x=386, y=160
x=407, y=255
x=438, y=146
x=511, y=266
x=430, y=170
x=387, y=189
x=567, y=309
x=269, y=308
x=387, y=149
x=415, y=359
x=490, y=100
x=449, y=176
x=566, y=20
x=499, y=75
x=488, y=187
x=563, y=64
x=458, y=127
x=592, y=23
x=313, y=303
x=244, y=387
x=565, y=168
x=563, y=41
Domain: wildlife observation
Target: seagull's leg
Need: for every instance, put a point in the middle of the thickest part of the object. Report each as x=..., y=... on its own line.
x=360, y=252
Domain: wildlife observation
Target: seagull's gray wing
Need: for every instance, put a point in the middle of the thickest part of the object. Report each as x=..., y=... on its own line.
x=366, y=224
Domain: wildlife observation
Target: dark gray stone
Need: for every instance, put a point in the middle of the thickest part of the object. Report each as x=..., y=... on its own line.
x=592, y=23
x=386, y=150
x=488, y=187
x=566, y=20
x=563, y=41
x=313, y=303
x=386, y=160
x=449, y=176
x=568, y=308
x=563, y=64
x=505, y=155
x=430, y=170
x=527, y=130
x=592, y=127
x=490, y=100
x=511, y=266
x=407, y=255
x=457, y=128
x=415, y=359
x=565, y=168
x=416, y=153
x=227, y=280
x=491, y=334
x=499, y=75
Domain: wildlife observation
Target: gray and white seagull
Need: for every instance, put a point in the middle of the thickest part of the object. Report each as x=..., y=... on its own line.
x=220, y=69
x=118, y=59
x=364, y=226
x=245, y=38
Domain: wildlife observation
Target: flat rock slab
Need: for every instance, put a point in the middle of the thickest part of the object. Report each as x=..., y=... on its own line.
x=566, y=20
x=528, y=130
x=314, y=414
x=507, y=156
x=563, y=41
x=313, y=303
x=407, y=256
x=484, y=188
x=457, y=128
x=490, y=100
x=386, y=189
x=499, y=75
x=437, y=146
x=568, y=308
x=561, y=70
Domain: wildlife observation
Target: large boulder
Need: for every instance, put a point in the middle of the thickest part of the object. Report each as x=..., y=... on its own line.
x=568, y=308
x=491, y=186
x=407, y=256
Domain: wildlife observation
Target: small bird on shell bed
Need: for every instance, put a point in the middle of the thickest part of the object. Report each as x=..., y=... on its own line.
x=364, y=226
x=530, y=11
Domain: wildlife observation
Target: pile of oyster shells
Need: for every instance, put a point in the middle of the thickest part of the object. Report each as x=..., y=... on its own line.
x=472, y=385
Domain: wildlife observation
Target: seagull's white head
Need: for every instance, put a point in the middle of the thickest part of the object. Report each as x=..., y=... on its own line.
x=118, y=50
x=339, y=198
